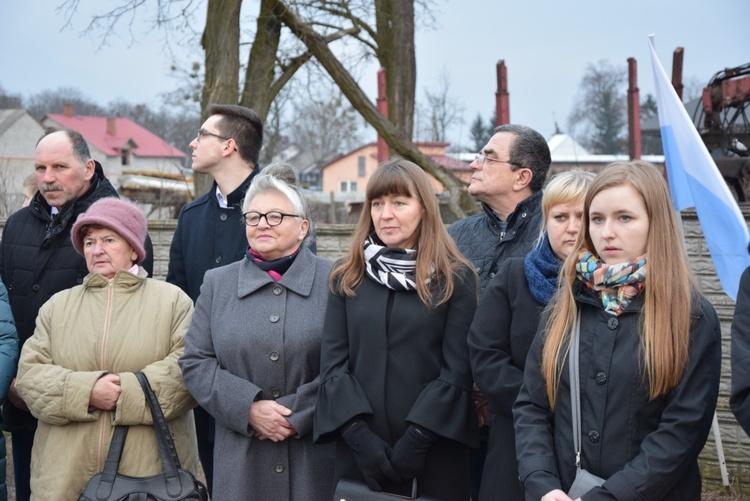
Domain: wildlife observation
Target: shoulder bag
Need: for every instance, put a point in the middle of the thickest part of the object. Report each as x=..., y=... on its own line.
x=175, y=484
x=584, y=480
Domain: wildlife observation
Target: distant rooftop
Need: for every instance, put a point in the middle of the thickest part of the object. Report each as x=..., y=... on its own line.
x=112, y=135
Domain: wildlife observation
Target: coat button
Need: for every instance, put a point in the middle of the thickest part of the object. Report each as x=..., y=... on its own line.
x=223, y=216
x=274, y=356
x=492, y=275
x=279, y=468
x=478, y=269
x=274, y=318
x=35, y=287
x=594, y=437
x=275, y=393
x=601, y=378
x=218, y=259
x=612, y=323
x=523, y=215
x=277, y=289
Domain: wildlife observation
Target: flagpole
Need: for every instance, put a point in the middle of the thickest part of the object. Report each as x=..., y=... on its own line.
x=720, y=451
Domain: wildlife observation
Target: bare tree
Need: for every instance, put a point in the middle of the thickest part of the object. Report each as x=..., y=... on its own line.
x=459, y=200
x=272, y=64
x=325, y=123
x=599, y=117
x=440, y=110
x=52, y=101
x=693, y=88
x=10, y=101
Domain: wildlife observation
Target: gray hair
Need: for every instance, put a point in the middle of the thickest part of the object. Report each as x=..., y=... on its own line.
x=281, y=178
x=78, y=143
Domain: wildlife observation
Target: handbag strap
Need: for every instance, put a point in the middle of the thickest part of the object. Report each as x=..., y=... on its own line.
x=575, y=388
x=169, y=459
x=112, y=462
x=164, y=437
x=167, y=451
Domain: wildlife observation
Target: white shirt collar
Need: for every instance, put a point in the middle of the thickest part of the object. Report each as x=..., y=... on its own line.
x=220, y=198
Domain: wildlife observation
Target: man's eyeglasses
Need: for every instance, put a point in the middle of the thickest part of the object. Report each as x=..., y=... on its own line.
x=273, y=218
x=204, y=132
x=481, y=159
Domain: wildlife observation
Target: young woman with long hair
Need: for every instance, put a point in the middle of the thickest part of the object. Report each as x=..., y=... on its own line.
x=396, y=383
x=650, y=354
x=507, y=319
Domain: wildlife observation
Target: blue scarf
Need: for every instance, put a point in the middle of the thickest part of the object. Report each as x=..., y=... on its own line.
x=542, y=267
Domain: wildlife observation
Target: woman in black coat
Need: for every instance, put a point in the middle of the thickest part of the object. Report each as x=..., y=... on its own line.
x=649, y=357
x=507, y=319
x=396, y=383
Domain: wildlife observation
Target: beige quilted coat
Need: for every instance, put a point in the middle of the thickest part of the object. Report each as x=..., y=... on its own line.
x=121, y=326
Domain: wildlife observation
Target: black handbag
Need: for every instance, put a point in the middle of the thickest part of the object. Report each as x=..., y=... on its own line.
x=174, y=484
x=352, y=490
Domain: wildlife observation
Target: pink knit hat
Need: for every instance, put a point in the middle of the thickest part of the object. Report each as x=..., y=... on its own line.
x=118, y=215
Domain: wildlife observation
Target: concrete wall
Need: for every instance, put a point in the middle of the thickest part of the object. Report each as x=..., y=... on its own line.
x=333, y=240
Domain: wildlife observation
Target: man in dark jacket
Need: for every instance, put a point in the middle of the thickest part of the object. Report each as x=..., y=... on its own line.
x=508, y=177
x=37, y=258
x=210, y=232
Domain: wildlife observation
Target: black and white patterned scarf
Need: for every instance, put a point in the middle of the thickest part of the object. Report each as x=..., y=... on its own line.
x=395, y=268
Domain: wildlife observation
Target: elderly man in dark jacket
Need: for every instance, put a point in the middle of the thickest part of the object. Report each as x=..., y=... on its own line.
x=507, y=179
x=37, y=258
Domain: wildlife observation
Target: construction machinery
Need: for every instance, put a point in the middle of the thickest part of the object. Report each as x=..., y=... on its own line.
x=723, y=120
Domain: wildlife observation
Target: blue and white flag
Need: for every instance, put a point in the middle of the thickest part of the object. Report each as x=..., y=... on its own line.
x=695, y=181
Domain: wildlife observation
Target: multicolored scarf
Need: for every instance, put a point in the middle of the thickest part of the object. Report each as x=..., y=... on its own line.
x=542, y=268
x=274, y=267
x=617, y=284
x=393, y=267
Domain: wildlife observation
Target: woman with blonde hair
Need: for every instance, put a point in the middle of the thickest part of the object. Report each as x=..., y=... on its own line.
x=395, y=389
x=649, y=355
x=507, y=319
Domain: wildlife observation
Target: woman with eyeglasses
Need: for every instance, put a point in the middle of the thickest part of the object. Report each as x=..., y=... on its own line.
x=396, y=383
x=253, y=352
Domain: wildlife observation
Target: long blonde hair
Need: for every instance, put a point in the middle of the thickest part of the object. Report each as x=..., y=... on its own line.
x=437, y=256
x=664, y=323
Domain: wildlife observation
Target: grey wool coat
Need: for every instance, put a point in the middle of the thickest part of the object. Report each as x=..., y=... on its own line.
x=250, y=339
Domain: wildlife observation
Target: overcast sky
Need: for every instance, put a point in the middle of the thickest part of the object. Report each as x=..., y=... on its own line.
x=546, y=45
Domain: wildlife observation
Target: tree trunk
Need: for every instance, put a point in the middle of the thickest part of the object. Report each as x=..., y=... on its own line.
x=394, y=21
x=460, y=202
x=257, y=93
x=221, y=43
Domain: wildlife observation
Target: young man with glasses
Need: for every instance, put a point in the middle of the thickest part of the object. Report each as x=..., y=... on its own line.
x=210, y=232
x=508, y=175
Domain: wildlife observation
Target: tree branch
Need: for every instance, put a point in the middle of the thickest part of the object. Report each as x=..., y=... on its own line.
x=459, y=201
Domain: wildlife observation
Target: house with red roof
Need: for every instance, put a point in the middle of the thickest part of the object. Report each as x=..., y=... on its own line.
x=350, y=172
x=120, y=144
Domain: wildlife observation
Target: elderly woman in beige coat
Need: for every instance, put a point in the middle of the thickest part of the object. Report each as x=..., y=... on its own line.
x=76, y=373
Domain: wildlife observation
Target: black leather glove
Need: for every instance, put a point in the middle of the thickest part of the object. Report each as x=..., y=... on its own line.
x=410, y=451
x=371, y=453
